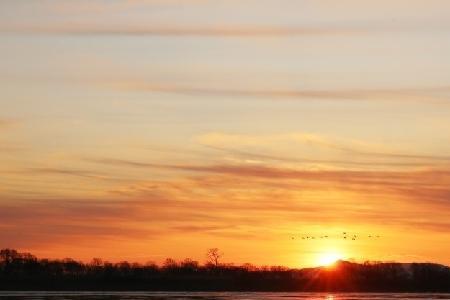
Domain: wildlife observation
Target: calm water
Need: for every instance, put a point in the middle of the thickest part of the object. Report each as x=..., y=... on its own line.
x=210, y=295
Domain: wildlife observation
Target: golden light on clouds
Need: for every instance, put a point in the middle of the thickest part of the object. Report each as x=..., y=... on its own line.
x=134, y=128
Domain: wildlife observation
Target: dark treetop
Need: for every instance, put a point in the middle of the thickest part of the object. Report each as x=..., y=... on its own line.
x=23, y=271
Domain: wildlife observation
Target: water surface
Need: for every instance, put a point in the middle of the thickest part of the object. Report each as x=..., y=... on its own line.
x=213, y=295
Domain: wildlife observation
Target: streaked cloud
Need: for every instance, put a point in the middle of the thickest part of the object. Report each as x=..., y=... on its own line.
x=262, y=200
x=418, y=94
x=350, y=146
x=298, y=160
x=70, y=172
x=158, y=30
x=239, y=202
x=430, y=184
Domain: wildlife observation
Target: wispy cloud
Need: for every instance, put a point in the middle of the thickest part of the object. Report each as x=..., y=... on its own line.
x=230, y=201
x=356, y=148
x=64, y=222
x=430, y=184
x=70, y=172
x=261, y=156
x=164, y=30
x=398, y=94
x=280, y=194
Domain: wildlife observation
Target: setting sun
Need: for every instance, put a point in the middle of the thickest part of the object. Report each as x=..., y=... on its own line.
x=328, y=258
x=284, y=133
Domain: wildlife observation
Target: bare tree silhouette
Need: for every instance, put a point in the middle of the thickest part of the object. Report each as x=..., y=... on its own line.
x=213, y=256
x=24, y=271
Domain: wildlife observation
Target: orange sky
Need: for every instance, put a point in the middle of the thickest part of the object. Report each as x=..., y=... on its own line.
x=140, y=130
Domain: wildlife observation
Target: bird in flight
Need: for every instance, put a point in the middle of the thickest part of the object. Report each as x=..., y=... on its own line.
x=345, y=235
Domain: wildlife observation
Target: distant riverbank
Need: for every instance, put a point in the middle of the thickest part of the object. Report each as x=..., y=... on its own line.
x=23, y=271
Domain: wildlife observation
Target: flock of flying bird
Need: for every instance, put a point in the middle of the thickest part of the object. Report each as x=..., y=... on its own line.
x=345, y=236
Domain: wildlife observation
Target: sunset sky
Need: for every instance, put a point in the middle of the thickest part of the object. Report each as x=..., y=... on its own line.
x=146, y=129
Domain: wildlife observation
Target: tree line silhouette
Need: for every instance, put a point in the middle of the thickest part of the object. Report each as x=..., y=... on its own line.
x=24, y=271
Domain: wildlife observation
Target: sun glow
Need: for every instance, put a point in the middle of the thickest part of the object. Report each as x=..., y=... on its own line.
x=328, y=258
